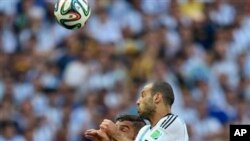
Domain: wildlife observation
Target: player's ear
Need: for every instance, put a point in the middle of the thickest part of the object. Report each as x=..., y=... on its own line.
x=157, y=97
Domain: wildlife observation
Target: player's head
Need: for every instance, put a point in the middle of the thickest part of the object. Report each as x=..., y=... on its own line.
x=129, y=125
x=153, y=95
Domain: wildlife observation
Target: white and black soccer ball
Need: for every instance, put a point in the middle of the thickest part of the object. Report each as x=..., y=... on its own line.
x=72, y=14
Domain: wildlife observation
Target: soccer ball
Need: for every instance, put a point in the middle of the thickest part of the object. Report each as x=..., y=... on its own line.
x=72, y=14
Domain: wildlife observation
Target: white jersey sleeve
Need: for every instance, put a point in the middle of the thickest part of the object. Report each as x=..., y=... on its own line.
x=169, y=128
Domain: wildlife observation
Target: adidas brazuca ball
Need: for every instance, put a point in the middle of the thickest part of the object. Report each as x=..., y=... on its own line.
x=72, y=14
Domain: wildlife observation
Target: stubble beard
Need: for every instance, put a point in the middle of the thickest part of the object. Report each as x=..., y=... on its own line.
x=148, y=111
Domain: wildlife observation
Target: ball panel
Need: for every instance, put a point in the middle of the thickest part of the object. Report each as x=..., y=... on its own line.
x=66, y=7
x=67, y=24
x=72, y=14
x=85, y=9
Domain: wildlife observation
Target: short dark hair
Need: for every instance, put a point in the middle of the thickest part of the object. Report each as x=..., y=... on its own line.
x=166, y=90
x=138, y=122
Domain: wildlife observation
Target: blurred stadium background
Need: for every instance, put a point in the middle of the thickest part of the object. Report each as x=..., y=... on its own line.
x=56, y=83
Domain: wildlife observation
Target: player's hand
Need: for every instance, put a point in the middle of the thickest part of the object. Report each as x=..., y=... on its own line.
x=92, y=135
x=103, y=135
x=112, y=131
x=96, y=135
x=109, y=127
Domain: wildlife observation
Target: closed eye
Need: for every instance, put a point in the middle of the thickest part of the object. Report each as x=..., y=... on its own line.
x=124, y=129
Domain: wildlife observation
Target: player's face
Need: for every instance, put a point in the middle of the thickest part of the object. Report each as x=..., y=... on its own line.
x=145, y=103
x=127, y=128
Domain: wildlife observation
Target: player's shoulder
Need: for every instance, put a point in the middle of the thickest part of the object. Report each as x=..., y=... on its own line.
x=171, y=121
x=142, y=132
x=144, y=128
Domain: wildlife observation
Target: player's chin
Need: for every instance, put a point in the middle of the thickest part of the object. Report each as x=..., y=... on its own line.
x=138, y=109
x=139, y=112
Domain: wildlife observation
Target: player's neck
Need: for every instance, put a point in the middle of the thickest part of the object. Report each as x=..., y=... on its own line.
x=160, y=113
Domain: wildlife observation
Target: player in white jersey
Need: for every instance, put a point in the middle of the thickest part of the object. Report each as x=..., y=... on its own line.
x=154, y=104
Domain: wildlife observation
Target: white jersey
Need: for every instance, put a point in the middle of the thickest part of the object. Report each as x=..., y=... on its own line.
x=169, y=128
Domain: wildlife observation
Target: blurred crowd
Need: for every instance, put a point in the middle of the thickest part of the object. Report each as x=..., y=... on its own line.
x=56, y=83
